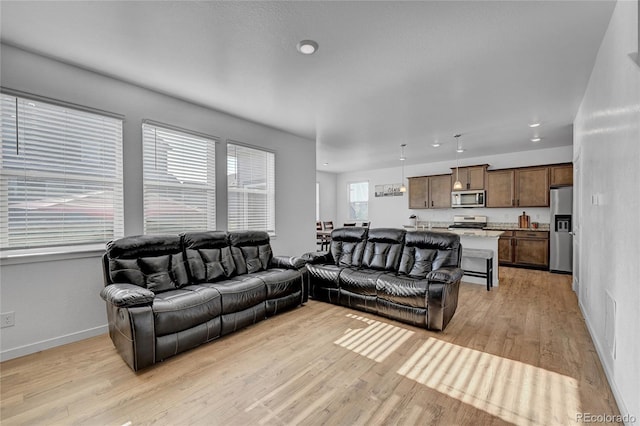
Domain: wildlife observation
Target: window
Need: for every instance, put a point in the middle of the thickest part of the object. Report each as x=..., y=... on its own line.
x=317, y=201
x=359, y=201
x=61, y=175
x=179, y=180
x=251, y=188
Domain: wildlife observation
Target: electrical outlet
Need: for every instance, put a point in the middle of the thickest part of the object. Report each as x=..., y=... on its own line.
x=8, y=319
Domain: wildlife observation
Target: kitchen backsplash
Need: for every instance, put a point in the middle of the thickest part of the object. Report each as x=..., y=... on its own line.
x=494, y=215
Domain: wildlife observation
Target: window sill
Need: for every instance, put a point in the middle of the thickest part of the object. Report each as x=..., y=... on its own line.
x=49, y=254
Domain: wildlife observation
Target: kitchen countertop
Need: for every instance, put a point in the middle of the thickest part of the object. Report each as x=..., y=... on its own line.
x=491, y=226
x=542, y=228
x=481, y=233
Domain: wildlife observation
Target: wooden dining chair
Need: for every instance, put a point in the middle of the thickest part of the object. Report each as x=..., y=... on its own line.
x=349, y=224
x=366, y=224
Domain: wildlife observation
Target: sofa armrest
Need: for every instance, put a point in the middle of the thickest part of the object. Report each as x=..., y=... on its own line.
x=287, y=262
x=442, y=296
x=445, y=275
x=316, y=257
x=126, y=295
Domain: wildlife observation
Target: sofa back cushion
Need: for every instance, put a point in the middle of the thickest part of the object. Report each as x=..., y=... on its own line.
x=153, y=262
x=251, y=251
x=347, y=246
x=426, y=251
x=383, y=249
x=208, y=256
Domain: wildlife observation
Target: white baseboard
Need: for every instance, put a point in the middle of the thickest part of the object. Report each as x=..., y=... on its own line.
x=52, y=343
x=624, y=412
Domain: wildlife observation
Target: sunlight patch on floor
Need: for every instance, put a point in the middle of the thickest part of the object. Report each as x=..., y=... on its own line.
x=511, y=390
x=376, y=341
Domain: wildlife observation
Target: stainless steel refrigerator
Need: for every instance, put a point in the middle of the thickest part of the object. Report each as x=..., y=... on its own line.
x=561, y=241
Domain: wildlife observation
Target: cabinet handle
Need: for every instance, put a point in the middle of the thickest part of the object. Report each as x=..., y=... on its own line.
x=518, y=201
x=425, y=204
x=431, y=203
x=513, y=202
x=515, y=242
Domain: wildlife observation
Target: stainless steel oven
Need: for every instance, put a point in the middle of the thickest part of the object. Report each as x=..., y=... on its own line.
x=468, y=198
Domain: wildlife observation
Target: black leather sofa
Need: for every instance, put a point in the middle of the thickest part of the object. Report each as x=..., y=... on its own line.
x=413, y=277
x=168, y=294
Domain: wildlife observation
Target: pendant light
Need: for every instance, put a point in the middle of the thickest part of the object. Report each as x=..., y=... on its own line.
x=457, y=185
x=403, y=188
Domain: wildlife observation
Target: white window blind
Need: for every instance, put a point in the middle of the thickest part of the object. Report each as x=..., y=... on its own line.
x=251, y=189
x=359, y=201
x=61, y=176
x=179, y=181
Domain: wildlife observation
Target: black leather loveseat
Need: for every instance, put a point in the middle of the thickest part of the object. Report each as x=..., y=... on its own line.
x=167, y=294
x=412, y=277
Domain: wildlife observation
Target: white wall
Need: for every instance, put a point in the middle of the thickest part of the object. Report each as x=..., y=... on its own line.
x=394, y=211
x=59, y=298
x=607, y=155
x=328, y=208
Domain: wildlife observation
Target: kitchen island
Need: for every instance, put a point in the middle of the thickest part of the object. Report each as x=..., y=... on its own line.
x=473, y=239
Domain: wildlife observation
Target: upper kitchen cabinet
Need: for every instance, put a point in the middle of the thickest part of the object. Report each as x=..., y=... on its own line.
x=430, y=192
x=500, y=188
x=440, y=192
x=561, y=174
x=418, y=192
x=524, y=187
x=471, y=177
x=532, y=187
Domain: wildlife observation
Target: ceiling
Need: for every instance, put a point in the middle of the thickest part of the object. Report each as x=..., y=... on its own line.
x=385, y=73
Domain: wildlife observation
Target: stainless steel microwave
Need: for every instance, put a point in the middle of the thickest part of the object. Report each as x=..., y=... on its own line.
x=468, y=198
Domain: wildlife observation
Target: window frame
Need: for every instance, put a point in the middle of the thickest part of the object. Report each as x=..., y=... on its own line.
x=209, y=189
x=270, y=191
x=349, y=202
x=67, y=177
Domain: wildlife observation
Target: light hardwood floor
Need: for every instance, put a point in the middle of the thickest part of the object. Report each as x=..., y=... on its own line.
x=519, y=354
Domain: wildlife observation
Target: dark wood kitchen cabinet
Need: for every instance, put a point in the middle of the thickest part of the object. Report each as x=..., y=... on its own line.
x=524, y=248
x=440, y=192
x=430, y=192
x=523, y=187
x=561, y=174
x=471, y=177
x=418, y=192
x=532, y=187
x=500, y=188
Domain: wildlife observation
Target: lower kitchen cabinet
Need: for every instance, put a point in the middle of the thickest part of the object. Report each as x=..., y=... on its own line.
x=524, y=248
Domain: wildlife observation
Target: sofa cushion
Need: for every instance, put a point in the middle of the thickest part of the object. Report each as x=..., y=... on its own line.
x=417, y=262
x=347, y=246
x=447, y=245
x=280, y=282
x=181, y=309
x=240, y=292
x=208, y=256
x=324, y=275
x=403, y=290
x=359, y=281
x=251, y=251
x=153, y=262
x=425, y=251
x=383, y=249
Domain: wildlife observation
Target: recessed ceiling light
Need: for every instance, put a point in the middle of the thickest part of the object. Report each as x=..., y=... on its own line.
x=536, y=139
x=435, y=144
x=325, y=164
x=459, y=150
x=534, y=124
x=307, y=47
